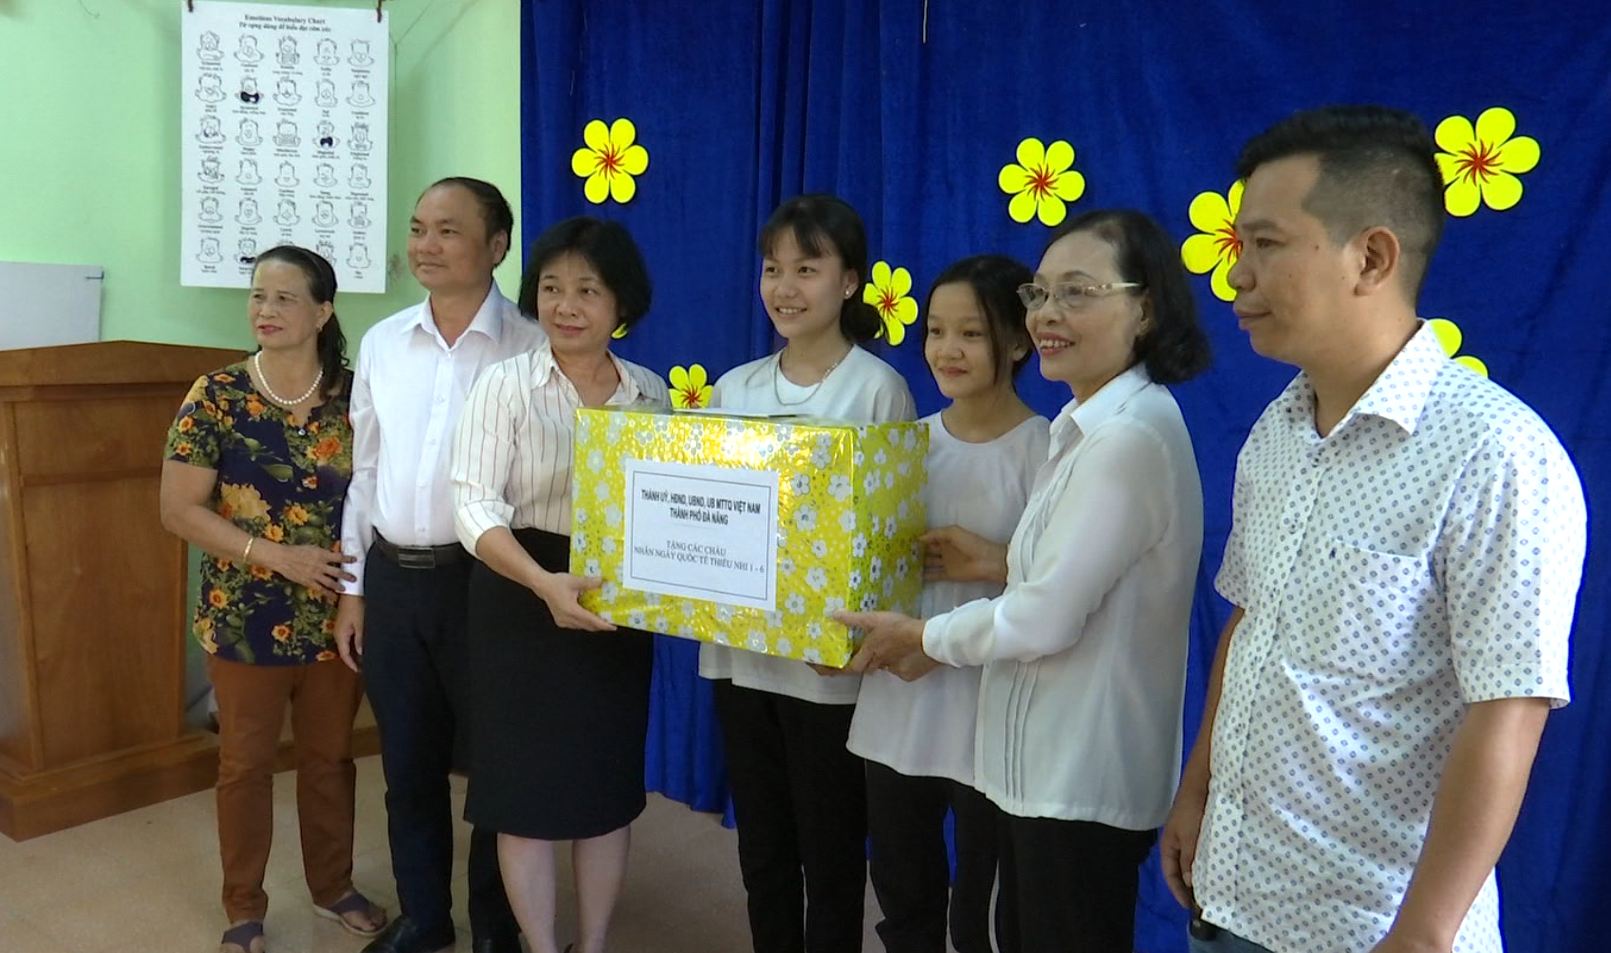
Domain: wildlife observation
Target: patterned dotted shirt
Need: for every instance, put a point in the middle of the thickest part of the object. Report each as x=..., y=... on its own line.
x=1423, y=556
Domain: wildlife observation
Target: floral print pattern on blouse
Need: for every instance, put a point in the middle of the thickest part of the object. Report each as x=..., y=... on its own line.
x=279, y=481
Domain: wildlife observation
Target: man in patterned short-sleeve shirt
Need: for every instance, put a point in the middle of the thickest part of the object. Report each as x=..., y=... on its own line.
x=1404, y=560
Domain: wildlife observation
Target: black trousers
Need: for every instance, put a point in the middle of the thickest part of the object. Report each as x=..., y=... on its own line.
x=909, y=868
x=1068, y=886
x=801, y=803
x=415, y=669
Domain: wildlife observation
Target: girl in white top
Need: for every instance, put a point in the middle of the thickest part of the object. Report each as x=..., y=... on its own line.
x=917, y=737
x=799, y=796
x=1084, y=653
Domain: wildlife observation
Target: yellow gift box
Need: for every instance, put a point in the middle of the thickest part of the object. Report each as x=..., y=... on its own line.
x=747, y=531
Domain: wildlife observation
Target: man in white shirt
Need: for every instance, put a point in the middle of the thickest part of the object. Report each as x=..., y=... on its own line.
x=1404, y=559
x=404, y=620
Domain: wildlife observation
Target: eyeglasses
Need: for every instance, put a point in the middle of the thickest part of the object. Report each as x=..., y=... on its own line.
x=1070, y=297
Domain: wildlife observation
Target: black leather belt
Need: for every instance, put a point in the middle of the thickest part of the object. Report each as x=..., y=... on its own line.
x=420, y=557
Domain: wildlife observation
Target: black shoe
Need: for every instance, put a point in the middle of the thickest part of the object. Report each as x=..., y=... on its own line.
x=496, y=946
x=405, y=936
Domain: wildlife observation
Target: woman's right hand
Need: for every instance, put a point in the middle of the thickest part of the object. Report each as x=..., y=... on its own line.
x=320, y=569
x=561, y=590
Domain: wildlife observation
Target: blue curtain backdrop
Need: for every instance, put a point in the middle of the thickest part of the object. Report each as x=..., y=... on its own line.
x=910, y=110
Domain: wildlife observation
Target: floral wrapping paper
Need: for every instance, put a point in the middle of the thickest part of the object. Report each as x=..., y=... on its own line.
x=850, y=512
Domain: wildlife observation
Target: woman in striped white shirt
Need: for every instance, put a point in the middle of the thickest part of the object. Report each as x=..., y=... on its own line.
x=560, y=702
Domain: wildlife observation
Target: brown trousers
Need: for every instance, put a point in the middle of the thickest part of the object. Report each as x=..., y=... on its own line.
x=324, y=699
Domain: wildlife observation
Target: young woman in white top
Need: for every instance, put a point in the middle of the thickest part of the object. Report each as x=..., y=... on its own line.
x=799, y=796
x=917, y=737
x=1084, y=653
x=559, y=704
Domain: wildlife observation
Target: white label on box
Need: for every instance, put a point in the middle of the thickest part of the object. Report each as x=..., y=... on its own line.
x=702, y=532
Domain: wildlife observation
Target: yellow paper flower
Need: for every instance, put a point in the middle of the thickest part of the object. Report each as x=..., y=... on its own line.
x=619, y=332
x=890, y=292
x=1449, y=336
x=1215, y=247
x=609, y=161
x=689, y=387
x=1041, y=182
x=1481, y=164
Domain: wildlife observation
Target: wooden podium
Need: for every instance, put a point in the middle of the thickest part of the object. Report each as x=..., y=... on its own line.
x=93, y=614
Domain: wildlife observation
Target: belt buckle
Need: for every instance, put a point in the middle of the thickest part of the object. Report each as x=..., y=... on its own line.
x=415, y=558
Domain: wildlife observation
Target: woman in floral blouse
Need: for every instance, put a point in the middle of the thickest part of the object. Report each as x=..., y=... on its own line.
x=257, y=464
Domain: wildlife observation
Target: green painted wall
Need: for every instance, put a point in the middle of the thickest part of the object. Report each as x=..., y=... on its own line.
x=89, y=160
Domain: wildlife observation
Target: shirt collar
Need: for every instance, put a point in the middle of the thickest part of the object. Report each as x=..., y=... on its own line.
x=543, y=368
x=1398, y=394
x=1078, y=417
x=488, y=320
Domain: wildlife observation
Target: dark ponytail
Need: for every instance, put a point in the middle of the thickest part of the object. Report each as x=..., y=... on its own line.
x=331, y=343
x=824, y=225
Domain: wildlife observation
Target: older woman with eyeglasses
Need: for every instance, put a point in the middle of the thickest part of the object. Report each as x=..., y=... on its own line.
x=1084, y=653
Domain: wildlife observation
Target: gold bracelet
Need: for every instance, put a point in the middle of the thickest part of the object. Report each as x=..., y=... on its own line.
x=246, y=554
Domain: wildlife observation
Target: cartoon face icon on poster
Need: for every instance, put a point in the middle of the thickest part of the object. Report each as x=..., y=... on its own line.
x=209, y=252
x=210, y=88
x=246, y=251
x=285, y=92
x=360, y=176
x=326, y=250
x=248, y=174
x=248, y=212
x=248, y=51
x=358, y=256
x=249, y=94
x=285, y=215
x=326, y=54
x=288, y=56
x=211, y=171
x=327, y=94
x=325, y=176
x=326, y=137
x=249, y=136
x=324, y=214
x=287, y=178
x=209, y=214
x=360, y=137
x=360, y=54
x=360, y=95
x=360, y=215
x=285, y=135
x=210, y=133
x=209, y=52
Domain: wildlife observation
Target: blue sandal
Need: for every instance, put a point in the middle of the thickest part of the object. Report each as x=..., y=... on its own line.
x=242, y=935
x=354, y=902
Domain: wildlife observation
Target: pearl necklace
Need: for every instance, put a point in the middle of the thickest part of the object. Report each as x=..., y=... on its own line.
x=257, y=365
x=777, y=371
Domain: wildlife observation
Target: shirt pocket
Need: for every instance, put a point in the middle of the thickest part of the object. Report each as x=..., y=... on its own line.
x=1370, y=609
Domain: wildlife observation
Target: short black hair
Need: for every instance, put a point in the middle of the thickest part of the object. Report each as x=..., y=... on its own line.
x=495, y=211
x=608, y=247
x=824, y=225
x=994, y=281
x=1378, y=167
x=1175, y=348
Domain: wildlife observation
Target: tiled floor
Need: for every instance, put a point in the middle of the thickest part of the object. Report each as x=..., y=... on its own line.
x=148, y=882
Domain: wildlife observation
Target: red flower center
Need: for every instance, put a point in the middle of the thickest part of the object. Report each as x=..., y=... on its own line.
x=610, y=160
x=886, y=301
x=1227, y=242
x=690, y=396
x=1041, y=181
x=1479, y=160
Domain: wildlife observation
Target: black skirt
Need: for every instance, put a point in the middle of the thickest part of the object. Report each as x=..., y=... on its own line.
x=558, y=717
